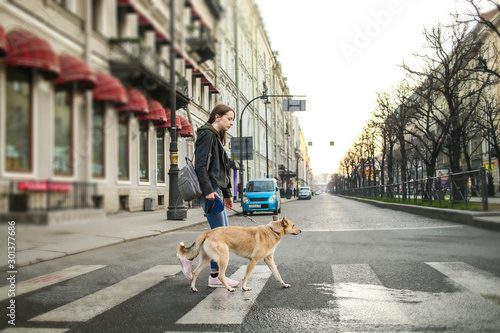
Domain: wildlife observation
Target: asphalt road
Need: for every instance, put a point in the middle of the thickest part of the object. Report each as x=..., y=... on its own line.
x=354, y=268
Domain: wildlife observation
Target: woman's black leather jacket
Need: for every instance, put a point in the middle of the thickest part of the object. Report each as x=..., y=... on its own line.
x=218, y=172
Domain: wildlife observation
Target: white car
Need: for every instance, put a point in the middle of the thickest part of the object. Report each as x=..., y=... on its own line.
x=305, y=193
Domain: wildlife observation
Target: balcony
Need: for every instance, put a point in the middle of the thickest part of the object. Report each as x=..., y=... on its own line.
x=139, y=66
x=201, y=43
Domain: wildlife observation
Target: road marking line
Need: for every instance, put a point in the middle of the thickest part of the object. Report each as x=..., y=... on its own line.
x=472, y=278
x=363, y=300
x=224, y=307
x=92, y=305
x=389, y=228
x=49, y=279
x=33, y=330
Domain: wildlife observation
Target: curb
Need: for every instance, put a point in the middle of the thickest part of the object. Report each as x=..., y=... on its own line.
x=62, y=252
x=484, y=220
x=49, y=255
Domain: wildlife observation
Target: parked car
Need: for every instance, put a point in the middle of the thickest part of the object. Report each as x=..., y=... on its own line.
x=305, y=193
x=261, y=195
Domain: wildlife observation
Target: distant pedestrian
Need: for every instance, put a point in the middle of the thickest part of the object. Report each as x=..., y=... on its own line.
x=214, y=180
x=294, y=192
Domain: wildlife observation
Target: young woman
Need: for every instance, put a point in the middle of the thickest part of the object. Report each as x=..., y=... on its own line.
x=213, y=171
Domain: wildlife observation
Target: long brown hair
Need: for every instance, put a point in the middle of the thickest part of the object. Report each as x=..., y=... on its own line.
x=220, y=109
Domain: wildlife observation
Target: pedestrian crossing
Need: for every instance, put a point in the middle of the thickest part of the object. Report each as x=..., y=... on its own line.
x=231, y=307
x=92, y=305
x=48, y=280
x=359, y=301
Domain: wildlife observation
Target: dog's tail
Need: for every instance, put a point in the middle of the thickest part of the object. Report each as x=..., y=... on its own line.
x=192, y=251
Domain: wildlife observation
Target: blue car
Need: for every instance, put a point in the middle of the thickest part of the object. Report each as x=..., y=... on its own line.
x=261, y=195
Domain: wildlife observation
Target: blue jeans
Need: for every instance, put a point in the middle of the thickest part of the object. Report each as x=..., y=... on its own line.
x=215, y=220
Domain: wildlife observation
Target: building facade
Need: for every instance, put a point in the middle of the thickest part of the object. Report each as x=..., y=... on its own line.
x=86, y=89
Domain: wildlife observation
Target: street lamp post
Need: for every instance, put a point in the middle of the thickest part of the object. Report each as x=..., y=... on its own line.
x=287, y=133
x=264, y=96
x=240, y=128
x=491, y=188
x=176, y=209
x=266, y=103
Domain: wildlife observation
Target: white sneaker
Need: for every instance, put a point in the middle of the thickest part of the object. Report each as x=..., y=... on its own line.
x=214, y=282
x=187, y=267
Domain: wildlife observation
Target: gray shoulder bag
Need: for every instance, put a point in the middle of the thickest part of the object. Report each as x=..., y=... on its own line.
x=189, y=186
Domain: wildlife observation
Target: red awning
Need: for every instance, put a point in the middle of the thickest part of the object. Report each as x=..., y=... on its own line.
x=205, y=81
x=188, y=63
x=186, y=130
x=26, y=49
x=3, y=42
x=156, y=113
x=74, y=69
x=178, y=124
x=137, y=103
x=213, y=90
x=109, y=89
x=194, y=14
x=197, y=72
x=160, y=36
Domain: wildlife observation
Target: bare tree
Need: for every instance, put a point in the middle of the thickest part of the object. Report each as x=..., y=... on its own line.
x=384, y=117
x=491, y=123
x=452, y=90
x=481, y=12
x=350, y=162
x=369, y=140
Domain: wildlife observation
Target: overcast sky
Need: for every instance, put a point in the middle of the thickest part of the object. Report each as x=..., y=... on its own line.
x=339, y=53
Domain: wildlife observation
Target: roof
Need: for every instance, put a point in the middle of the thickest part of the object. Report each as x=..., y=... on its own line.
x=489, y=15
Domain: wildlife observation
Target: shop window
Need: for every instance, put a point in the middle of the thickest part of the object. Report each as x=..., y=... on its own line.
x=62, y=3
x=123, y=148
x=98, y=136
x=160, y=155
x=63, y=130
x=97, y=15
x=18, y=122
x=123, y=202
x=143, y=151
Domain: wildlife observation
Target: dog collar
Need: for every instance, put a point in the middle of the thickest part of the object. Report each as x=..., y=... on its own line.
x=277, y=233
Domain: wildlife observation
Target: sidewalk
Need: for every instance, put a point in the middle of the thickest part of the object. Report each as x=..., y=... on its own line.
x=480, y=219
x=36, y=243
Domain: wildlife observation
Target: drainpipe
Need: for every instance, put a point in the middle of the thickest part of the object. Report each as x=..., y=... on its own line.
x=237, y=82
x=88, y=93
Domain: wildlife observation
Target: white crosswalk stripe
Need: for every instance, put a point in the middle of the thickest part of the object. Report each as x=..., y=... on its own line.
x=362, y=299
x=359, y=300
x=92, y=305
x=48, y=280
x=33, y=330
x=476, y=280
x=362, y=302
x=223, y=307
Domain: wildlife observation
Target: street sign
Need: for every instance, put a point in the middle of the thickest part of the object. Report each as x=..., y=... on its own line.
x=247, y=142
x=294, y=105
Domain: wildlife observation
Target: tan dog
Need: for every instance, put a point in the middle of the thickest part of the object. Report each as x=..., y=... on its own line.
x=254, y=243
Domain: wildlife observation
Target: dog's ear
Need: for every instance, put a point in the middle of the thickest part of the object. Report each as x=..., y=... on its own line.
x=275, y=218
x=284, y=221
